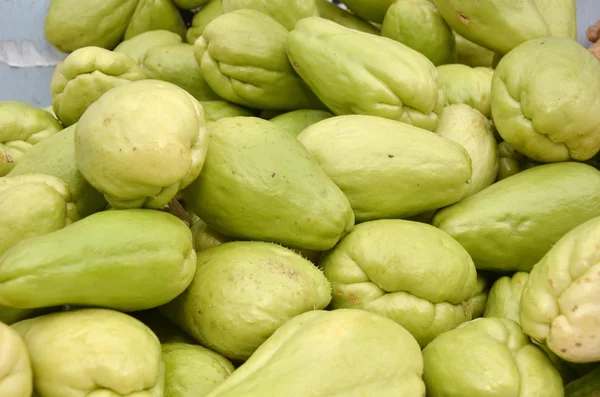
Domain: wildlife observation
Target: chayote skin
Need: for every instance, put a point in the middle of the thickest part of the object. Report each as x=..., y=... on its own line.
x=388, y=169
x=337, y=14
x=16, y=378
x=259, y=183
x=505, y=296
x=101, y=260
x=560, y=15
x=472, y=54
x=88, y=352
x=296, y=121
x=138, y=45
x=331, y=353
x=388, y=80
x=84, y=76
x=55, y=156
x=155, y=15
x=371, y=10
x=190, y=4
x=559, y=305
x=11, y=315
x=176, y=64
x=193, y=370
x=33, y=205
x=243, y=59
x=141, y=161
x=549, y=114
x=510, y=225
x=242, y=292
x=207, y=13
x=22, y=126
x=419, y=25
x=216, y=110
x=488, y=357
x=411, y=272
x=74, y=24
x=285, y=12
x=471, y=86
x=499, y=25
x=472, y=130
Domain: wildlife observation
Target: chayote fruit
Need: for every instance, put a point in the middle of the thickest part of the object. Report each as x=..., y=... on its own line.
x=55, y=156
x=74, y=24
x=191, y=369
x=371, y=10
x=586, y=386
x=505, y=296
x=468, y=127
x=560, y=15
x=388, y=80
x=419, y=25
x=327, y=353
x=499, y=25
x=411, y=272
x=296, y=121
x=471, y=86
x=22, y=126
x=216, y=110
x=205, y=237
x=176, y=64
x=84, y=76
x=243, y=59
x=138, y=45
x=472, y=54
x=559, y=305
x=549, y=114
x=16, y=378
x=488, y=357
x=207, y=13
x=101, y=260
x=242, y=292
x=510, y=225
x=386, y=168
x=141, y=161
x=86, y=352
x=33, y=205
x=190, y=4
x=285, y=12
x=165, y=330
x=155, y=15
x=51, y=111
x=336, y=14
x=259, y=183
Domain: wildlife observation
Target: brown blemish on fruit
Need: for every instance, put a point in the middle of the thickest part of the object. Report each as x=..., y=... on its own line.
x=574, y=309
x=391, y=156
x=273, y=175
x=578, y=344
x=353, y=298
x=463, y=18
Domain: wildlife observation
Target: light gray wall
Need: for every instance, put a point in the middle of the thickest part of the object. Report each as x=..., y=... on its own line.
x=27, y=60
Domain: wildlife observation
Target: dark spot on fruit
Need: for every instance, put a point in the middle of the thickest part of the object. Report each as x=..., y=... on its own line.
x=578, y=344
x=9, y=159
x=273, y=175
x=107, y=121
x=551, y=282
x=296, y=65
x=463, y=18
x=563, y=350
x=391, y=156
x=134, y=148
x=353, y=298
x=233, y=172
x=120, y=150
x=340, y=293
x=575, y=307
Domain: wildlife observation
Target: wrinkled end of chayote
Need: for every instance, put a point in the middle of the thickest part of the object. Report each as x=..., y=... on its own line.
x=548, y=113
x=137, y=46
x=488, y=354
x=32, y=205
x=22, y=126
x=84, y=76
x=559, y=305
x=202, y=18
x=286, y=12
x=16, y=377
x=505, y=296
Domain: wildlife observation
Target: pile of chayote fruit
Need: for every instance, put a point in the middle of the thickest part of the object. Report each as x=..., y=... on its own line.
x=282, y=198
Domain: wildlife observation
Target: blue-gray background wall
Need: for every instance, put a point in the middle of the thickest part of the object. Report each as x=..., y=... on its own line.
x=27, y=60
